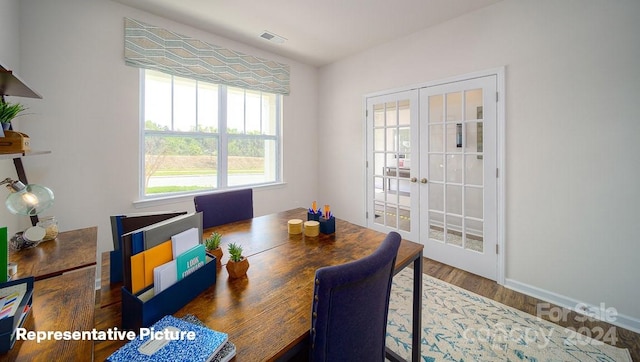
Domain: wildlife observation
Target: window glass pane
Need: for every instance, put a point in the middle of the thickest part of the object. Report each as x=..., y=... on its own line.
x=179, y=164
x=435, y=109
x=253, y=111
x=473, y=104
x=404, y=112
x=454, y=199
x=392, y=114
x=157, y=101
x=184, y=104
x=454, y=168
x=251, y=161
x=454, y=107
x=269, y=114
x=378, y=115
x=207, y=107
x=378, y=139
x=235, y=110
x=435, y=138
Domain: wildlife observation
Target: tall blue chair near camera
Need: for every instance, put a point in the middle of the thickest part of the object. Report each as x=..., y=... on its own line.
x=350, y=306
x=224, y=207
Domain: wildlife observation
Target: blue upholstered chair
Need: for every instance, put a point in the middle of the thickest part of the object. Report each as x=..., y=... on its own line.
x=350, y=307
x=224, y=207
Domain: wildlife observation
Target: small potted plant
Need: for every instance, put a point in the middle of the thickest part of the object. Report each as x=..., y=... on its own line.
x=9, y=111
x=212, y=244
x=237, y=265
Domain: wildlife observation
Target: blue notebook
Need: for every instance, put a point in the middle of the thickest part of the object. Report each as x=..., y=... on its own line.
x=203, y=347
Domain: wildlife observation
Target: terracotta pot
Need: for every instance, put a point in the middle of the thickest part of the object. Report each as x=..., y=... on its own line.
x=238, y=269
x=218, y=254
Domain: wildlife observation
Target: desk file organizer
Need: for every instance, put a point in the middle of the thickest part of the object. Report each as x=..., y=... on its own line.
x=137, y=313
x=9, y=324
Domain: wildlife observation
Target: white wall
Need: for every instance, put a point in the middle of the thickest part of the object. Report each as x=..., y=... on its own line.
x=572, y=86
x=72, y=50
x=9, y=59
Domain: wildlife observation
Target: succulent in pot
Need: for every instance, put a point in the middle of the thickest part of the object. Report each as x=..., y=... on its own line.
x=237, y=265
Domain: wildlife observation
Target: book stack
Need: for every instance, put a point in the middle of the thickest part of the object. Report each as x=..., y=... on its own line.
x=175, y=339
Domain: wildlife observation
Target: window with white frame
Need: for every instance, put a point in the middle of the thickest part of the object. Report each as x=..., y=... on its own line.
x=200, y=136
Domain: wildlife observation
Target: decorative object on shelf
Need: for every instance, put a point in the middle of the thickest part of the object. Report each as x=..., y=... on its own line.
x=18, y=242
x=212, y=244
x=50, y=226
x=237, y=265
x=11, y=85
x=9, y=111
x=14, y=142
x=27, y=200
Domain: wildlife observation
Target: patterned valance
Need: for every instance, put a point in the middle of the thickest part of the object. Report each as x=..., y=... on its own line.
x=151, y=47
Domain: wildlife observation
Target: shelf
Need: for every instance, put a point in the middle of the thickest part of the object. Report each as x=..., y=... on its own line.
x=9, y=156
x=11, y=85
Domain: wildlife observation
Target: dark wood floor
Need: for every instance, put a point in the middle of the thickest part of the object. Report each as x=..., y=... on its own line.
x=490, y=289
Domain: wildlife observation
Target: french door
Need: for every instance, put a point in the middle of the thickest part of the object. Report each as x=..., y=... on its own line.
x=432, y=170
x=392, y=163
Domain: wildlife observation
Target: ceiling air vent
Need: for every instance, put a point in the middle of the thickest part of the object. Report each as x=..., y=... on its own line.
x=272, y=37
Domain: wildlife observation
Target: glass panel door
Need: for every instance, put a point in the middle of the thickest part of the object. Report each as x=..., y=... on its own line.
x=458, y=217
x=392, y=158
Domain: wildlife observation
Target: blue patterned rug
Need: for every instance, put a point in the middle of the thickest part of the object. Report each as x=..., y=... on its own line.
x=458, y=325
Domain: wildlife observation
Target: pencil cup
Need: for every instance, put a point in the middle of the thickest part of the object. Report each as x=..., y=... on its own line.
x=313, y=216
x=328, y=226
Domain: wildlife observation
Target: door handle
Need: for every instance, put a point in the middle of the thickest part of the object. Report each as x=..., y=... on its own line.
x=414, y=179
x=424, y=180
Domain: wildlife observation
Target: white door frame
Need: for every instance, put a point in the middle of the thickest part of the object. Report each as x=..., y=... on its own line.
x=499, y=72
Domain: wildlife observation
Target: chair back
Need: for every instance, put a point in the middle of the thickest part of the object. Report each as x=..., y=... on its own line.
x=350, y=306
x=224, y=207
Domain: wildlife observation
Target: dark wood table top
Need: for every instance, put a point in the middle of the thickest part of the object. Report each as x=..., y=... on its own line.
x=63, y=303
x=268, y=312
x=70, y=250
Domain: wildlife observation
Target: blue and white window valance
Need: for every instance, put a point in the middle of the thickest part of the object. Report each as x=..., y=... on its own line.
x=151, y=47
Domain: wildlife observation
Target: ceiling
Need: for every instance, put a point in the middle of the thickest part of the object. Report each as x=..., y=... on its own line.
x=317, y=32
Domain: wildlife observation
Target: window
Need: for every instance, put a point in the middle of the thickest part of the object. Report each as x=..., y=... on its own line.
x=201, y=136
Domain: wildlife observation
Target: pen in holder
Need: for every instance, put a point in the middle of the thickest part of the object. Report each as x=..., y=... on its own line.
x=328, y=226
x=314, y=212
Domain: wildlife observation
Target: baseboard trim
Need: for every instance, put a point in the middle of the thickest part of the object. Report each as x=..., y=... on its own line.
x=620, y=320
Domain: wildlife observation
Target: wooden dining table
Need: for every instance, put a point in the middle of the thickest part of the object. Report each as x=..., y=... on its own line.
x=267, y=314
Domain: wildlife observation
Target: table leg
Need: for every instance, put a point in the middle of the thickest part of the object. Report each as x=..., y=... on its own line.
x=417, y=309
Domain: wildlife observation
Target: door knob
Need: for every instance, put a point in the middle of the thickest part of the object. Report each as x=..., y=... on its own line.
x=414, y=179
x=423, y=180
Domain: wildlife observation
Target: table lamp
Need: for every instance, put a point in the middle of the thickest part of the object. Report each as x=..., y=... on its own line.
x=27, y=200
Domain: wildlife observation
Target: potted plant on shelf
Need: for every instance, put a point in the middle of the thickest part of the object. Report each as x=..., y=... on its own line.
x=237, y=265
x=212, y=244
x=9, y=111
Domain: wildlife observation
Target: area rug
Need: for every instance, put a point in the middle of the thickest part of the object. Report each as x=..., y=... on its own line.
x=458, y=325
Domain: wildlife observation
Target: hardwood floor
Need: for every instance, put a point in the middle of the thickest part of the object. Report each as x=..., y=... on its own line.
x=490, y=289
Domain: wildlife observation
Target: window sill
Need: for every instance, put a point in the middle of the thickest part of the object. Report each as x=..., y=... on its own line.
x=176, y=199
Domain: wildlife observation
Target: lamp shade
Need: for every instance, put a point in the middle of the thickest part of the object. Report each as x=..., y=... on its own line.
x=29, y=200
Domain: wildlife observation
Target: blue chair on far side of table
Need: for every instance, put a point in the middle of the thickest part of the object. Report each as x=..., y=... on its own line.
x=224, y=207
x=351, y=304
